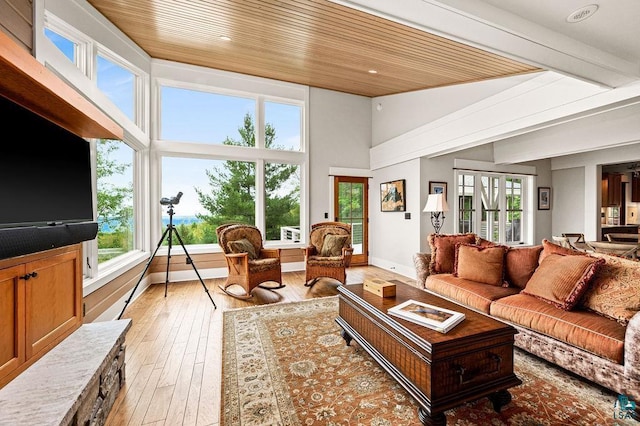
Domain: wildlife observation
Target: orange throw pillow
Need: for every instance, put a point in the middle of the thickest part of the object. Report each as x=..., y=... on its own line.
x=443, y=251
x=562, y=280
x=481, y=264
x=520, y=264
x=551, y=248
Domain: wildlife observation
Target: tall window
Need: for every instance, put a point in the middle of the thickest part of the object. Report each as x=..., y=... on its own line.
x=115, y=199
x=466, y=209
x=243, y=173
x=115, y=161
x=493, y=205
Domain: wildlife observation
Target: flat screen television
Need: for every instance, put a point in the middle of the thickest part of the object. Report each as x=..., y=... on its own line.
x=46, y=195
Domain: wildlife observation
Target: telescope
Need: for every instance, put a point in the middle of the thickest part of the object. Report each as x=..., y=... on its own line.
x=168, y=236
x=166, y=201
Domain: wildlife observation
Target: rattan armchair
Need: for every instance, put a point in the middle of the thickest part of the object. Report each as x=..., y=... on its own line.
x=329, y=252
x=249, y=264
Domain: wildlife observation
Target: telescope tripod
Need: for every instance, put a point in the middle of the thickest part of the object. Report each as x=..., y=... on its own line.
x=168, y=232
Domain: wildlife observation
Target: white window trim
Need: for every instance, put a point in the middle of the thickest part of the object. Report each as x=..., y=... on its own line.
x=483, y=168
x=83, y=43
x=215, y=151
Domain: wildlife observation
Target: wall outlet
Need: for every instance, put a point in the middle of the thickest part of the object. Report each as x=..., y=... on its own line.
x=326, y=215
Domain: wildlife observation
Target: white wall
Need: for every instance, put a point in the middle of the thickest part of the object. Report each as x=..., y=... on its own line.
x=568, y=200
x=395, y=115
x=339, y=136
x=393, y=239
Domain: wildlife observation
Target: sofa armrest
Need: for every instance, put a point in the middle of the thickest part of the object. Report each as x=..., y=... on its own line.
x=421, y=262
x=632, y=348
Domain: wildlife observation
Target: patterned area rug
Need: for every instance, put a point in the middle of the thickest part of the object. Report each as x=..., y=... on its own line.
x=286, y=364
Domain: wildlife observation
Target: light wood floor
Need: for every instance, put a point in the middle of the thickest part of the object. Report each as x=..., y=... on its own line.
x=173, y=349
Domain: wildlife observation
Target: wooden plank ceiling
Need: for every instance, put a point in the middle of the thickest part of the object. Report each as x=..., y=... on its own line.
x=311, y=42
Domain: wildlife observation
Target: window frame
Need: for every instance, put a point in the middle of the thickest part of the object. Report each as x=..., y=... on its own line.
x=258, y=154
x=483, y=169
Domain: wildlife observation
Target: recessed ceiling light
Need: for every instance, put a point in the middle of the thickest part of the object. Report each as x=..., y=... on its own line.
x=582, y=13
x=225, y=38
x=373, y=72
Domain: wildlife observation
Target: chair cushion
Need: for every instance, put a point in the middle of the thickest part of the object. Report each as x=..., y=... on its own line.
x=266, y=264
x=615, y=290
x=562, y=280
x=243, y=246
x=520, y=264
x=331, y=262
x=481, y=264
x=443, y=251
x=333, y=244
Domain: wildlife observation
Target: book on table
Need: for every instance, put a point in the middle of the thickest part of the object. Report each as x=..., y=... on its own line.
x=430, y=316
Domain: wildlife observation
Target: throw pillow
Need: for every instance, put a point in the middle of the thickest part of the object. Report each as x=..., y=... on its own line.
x=443, y=251
x=243, y=246
x=615, y=291
x=551, y=248
x=480, y=264
x=484, y=243
x=562, y=280
x=520, y=264
x=333, y=244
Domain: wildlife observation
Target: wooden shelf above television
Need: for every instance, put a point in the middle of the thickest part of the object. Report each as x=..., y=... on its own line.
x=27, y=82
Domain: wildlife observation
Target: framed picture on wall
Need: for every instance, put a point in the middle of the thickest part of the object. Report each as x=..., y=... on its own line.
x=392, y=196
x=544, y=198
x=438, y=188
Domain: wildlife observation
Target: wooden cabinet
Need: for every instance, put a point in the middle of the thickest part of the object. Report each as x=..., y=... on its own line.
x=611, y=189
x=635, y=188
x=40, y=305
x=12, y=348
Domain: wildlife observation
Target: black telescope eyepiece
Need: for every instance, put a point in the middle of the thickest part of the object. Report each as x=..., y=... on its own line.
x=166, y=201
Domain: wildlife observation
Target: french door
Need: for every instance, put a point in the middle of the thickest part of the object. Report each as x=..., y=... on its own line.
x=351, y=203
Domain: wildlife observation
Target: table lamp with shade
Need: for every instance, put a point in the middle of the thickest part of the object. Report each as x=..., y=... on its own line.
x=436, y=205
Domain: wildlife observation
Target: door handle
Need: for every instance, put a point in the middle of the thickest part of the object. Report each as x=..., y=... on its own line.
x=28, y=276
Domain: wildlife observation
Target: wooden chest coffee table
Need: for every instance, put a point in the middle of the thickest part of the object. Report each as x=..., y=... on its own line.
x=441, y=371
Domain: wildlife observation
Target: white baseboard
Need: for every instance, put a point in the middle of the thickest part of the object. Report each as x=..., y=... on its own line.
x=407, y=271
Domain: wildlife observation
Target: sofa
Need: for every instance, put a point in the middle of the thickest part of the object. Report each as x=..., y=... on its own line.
x=575, y=309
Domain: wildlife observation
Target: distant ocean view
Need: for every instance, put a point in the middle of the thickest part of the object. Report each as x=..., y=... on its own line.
x=177, y=220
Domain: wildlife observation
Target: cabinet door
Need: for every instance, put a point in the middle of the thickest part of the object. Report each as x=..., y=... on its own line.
x=12, y=291
x=635, y=189
x=53, y=300
x=615, y=189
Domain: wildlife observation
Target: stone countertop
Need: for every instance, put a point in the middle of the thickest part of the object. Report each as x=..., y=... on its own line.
x=50, y=391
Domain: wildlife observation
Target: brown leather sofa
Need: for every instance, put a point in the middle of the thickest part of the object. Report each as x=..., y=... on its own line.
x=575, y=309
